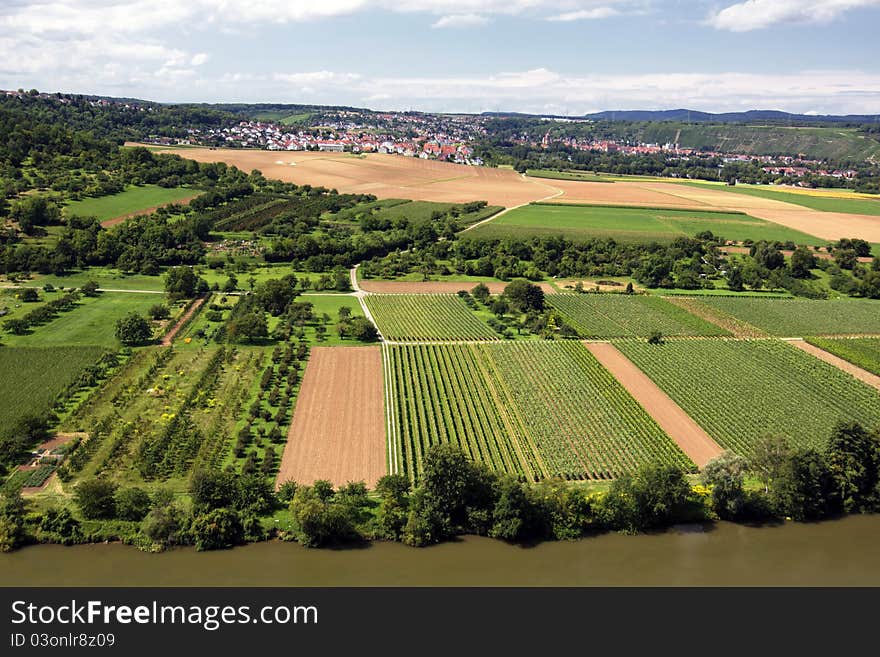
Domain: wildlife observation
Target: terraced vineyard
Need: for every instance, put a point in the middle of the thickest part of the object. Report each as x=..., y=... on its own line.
x=739, y=391
x=426, y=318
x=800, y=317
x=862, y=352
x=530, y=408
x=619, y=315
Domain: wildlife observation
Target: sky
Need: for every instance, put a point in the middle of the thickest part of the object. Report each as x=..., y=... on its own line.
x=566, y=57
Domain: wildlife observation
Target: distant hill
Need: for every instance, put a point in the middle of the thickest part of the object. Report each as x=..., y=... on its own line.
x=751, y=116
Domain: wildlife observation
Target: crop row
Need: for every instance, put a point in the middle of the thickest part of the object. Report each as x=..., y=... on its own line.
x=739, y=391
x=426, y=317
x=533, y=409
x=802, y=317
x=862, y=352
x=622, y=315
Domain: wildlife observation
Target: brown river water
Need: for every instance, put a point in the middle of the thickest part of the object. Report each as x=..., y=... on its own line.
x=835, y=553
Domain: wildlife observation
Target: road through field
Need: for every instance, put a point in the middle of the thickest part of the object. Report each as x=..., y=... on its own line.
x=678, y=425
x=862, y=375
x=338, y=427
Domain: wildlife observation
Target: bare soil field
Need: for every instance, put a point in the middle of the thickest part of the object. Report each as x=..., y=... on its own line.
x=686, y=433
x=435, y=287
x=338, y=427
x=862, y=375
x=385, y=176
x=394, y=176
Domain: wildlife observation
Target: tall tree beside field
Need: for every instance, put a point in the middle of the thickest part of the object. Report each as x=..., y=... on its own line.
x=725, y=474
x=524, y=296
x=96, y=499
x=804, y=487
x=802, y=261
x=183, y=283
x=853, y=457
x=133, y=330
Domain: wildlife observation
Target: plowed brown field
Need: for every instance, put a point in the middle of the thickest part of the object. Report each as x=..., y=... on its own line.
x=338, y=427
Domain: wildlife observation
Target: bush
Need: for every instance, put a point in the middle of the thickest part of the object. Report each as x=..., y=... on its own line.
x=132, y=504
x=96, y=499
x=217, y=530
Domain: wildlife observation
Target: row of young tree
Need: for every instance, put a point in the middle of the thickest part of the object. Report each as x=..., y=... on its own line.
x=455, y=495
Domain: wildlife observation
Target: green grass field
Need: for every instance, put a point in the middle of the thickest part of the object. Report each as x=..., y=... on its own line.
x=92, y=322
x=862, y=352
x=133, y=199
x=33, y=377
x=106, y=277
x=739, y=391
x=413, y=211
x=531, y=409
x=621, y=315
x=815, y=202
x=426, y=317
x=583, y=176
x=800, y=317
x=578, y=222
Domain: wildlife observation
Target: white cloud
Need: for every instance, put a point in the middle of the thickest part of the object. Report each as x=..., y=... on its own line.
x=542, y=90
x=758, y=14
x=585, y=14
x=461, y=20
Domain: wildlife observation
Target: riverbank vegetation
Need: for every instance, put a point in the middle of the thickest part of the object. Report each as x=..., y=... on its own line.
x=455, y=496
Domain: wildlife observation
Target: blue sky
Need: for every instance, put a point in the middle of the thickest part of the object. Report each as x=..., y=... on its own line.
x=543, y=56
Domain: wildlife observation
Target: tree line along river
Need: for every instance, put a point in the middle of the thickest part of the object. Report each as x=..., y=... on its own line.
x=832, y=553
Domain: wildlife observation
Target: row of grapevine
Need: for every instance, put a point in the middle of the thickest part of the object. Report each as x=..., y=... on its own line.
x=740, y=391
x=533, y=409
x=861, y=352
x=426, y=318
x=802, y=317
x=623, y=315
x=583, y=422
x=440, y=395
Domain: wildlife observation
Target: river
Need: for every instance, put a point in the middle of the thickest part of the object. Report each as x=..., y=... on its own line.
x=835, y=553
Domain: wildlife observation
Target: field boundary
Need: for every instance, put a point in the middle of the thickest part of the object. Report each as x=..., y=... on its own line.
x=621, y=206
x=842, y=364
x=678, y=425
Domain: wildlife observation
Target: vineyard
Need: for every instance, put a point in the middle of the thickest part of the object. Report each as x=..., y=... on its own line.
x=799, y=317
x=861, y=352
x=740, y=391
x=620, y=315
x=534, y=409
x=426, y=318
x=41, y=375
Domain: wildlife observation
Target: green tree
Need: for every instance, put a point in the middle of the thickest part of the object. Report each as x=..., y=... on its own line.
x=132, y=503
x=96, y=498
x=249, y=327
x=90, y=288
x=768, y=457
x=133, y=330
x=12, y=511
x=853, y=457
x=802, y=261
x=725, y=474
x=735, y=279
x=182, y=283
x=159, y=311
x=217, y=530
x=804, y=487
x=362, y=329
x=524, y=296
x=480, y=292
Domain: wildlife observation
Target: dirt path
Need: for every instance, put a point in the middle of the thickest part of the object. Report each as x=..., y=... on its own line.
x=556, y=193
x=687, y=434
x=338, y=427
x=193, y=307
x=862, y=375
x=118, y=220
